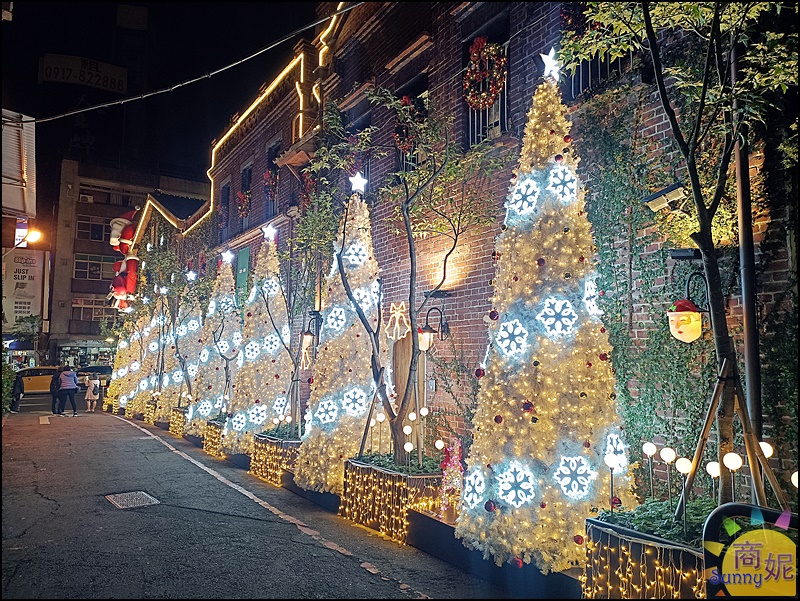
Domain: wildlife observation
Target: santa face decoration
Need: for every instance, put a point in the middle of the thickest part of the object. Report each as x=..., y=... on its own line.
x=685, y=321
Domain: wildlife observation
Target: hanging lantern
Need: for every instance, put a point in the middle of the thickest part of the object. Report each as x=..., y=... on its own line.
x=685, y=321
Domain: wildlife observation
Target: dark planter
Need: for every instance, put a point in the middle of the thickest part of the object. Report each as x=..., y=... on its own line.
x=326, y=500
x=195, y=440
x=240, y=460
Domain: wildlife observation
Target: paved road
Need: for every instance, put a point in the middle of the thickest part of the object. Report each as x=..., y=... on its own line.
x=216, y=531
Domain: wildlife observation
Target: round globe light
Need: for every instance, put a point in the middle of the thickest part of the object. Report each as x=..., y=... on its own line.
x=439, y=444
x=794, y=479
x=288, y=419
x=381, y=417
x=732, y=461
x=712, y=467
x=372, y=423
x=649, y=449
x=683, y=465
x=275, y=421
x=668, y=454
x=408, y=447
x=406, y=430
x=766, y=448
x=424, y=412
x=610, y=460
x=412, y=416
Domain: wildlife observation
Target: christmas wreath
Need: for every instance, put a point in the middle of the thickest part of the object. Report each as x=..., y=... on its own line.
x=485, y=75
x=410, y=114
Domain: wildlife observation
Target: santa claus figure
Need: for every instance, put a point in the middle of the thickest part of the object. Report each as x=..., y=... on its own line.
x=123, y=286
x=122, y=231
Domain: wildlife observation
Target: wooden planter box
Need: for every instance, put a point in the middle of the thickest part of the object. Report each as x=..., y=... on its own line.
x=272, y=457
x=632, y=564
x=381, y=499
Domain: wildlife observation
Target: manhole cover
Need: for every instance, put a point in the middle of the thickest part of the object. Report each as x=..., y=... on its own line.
x=129, y=500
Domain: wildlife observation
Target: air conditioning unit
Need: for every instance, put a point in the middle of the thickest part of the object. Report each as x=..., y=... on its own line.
x=86, y=198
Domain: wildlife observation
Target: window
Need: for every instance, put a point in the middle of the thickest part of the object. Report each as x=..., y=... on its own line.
x=223, y=209
x=94, y=267
x=92, y=309
x=245, y=199
x=489, y=122
x=271, y=182
x=93, y=228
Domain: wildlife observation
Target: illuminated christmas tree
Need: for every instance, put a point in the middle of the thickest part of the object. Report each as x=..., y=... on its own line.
x=261, y=387
x=143, y=371
x=187, y=328
x=546, y=423
x=342, y=383
x=221, y=355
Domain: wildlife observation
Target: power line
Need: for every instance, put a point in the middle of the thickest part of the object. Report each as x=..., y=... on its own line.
x=209, y=75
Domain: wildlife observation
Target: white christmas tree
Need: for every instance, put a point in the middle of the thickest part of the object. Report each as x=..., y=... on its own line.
x=143, y=371
x=261, y=389
x=221, y=355
x=342, y=383
x=546, y=426
x=187, y=329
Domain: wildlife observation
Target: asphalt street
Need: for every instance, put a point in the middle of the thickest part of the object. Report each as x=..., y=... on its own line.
x=215, y=532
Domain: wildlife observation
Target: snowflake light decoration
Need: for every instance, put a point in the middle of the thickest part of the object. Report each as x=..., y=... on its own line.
x=327, y=411
x=355, y=254
x=123, y=400
x=239, y=421
x=136, y=335
x=574, y=475
x=271, y=287
x=239, y=358
x=143, y=384
x=252, y=350
x=474, y=487
x=286, y=334
x=524, y=196
x=590, y=297
x=177, y=376
x=363, y=297
x=153, y=346
x=257, y=414
x=616, y=449
x=375, y=289
x=204, y=355
x=512, y=338
x=165, y=381
x=272, y=343
x=237, y=338
x=220, y=403
x=153, y=380
x=123, y=344
x=212, y=307
x=136, y=366
x=182, y=330
x=336, y=319
x=280, y=406
x=563, y=184
x=204, y=407
x=191, y=369
x=515, y=485
x=227, y=304
x=123, y=371
x=223, y=347
x=193, y=325
x=558, y=317
x=355, y=402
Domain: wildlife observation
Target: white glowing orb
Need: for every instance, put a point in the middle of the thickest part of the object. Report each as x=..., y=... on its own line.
x=574, y=475
x=474, y=487
x=558, y=317
x=512, y=338
x=356, y=254
x=524, y=196
x=563, y=184
x=272, y=343
x=205, y=407
x=515, y=485
x=355, y=402
x=252, y=350
x=257, y=414
x=327, y=411
x=590, y=297
x=239, y=421
x=336, y=319
x=136, y=366
x=123, y=400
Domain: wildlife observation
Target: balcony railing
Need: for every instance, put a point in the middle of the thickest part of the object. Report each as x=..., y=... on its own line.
x=491, y=122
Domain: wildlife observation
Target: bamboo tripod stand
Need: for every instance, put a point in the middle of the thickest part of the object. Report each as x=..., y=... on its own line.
x=755, y=455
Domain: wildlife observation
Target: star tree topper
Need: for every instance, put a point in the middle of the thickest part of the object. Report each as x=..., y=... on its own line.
x=551, y=66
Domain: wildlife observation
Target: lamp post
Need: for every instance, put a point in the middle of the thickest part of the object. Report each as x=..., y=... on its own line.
x=684, y=466
x=650, y=449
x=668, y=455
x=733, y=461
x=610, y=461
x=31, y=236
x=427, y=332
x=381, y=417
x=768, y=451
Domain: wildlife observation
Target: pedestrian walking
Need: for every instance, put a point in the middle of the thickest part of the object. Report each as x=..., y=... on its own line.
x=92, y=393
x=16, y=393
x=55, y=385
x=68, y=387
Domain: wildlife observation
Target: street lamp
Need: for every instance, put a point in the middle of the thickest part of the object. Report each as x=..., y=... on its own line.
x=31, y=236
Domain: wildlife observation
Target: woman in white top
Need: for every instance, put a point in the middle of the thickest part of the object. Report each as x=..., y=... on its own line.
x=92, y=393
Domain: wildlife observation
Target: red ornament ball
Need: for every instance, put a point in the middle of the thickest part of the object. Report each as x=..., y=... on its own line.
x=540, y=261
x=489, y=506
x=517, y=562
x=581, y=258
x=602, y=293
x=494, y=315
x=516, y=279
x=273, y=360
x=498, y=419
x=249, y=314
x=258, y=401
x=311, y=380
x=603, y=356
x=587, y=444
x=216, y=368
x=616, y=501
x=559, y=158
x=527, y=406
x=479, y=373
x=602, y=330
x=209, y=386
x=552, y=132
x=543, y=505
x=230, y=415
x=578, y=539
x=567, y=138
x=588, y=364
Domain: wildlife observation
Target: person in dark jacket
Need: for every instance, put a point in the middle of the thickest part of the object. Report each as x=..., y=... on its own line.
x=68, y=381
x=16, y=393
x=55, y=385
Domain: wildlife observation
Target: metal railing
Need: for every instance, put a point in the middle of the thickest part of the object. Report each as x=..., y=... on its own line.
x=491, y=122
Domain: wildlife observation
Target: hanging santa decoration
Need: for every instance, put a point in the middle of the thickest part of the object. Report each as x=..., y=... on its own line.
x=685, y=321
x=123, y=286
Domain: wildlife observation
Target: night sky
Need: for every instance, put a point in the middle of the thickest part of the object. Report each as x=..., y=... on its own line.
x=186, y=40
